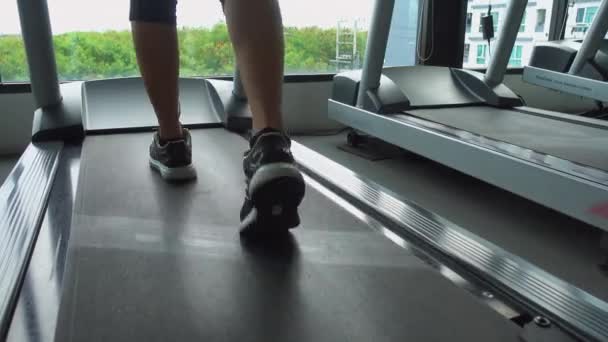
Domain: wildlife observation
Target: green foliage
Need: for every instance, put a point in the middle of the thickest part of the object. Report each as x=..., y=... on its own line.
x=203, y=51
x=13, y=65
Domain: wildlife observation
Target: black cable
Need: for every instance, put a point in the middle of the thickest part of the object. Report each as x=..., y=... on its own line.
x=490, y=38
x=489, y=48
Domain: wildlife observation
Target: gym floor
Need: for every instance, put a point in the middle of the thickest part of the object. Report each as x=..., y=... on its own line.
x=556, y=243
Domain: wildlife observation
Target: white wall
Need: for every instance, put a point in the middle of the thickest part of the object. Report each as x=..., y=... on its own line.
x=16, y=115
x=305, y=108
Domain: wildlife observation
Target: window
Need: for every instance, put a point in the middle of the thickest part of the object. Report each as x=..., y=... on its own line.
x=580, y=15
x=516, y=54
x=535, y=19
x=401, y=49
x=13, y=62
x=467, y=47
x=481, y=54
x=578, y=27
x=590, y=14
x=93, y=39
x=541, y=17
x=469, y=21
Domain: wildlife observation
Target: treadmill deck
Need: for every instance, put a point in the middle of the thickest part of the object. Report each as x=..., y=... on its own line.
x=581, y=144
x=150, y=261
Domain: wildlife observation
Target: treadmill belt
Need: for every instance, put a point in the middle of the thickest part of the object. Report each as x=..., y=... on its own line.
x=150, y=261
x=577, y=143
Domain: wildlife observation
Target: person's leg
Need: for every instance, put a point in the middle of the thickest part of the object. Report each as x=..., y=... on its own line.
x=256, y=31
x=155, y=38
x=275, y=187
x=153, y=25
x=158, y=59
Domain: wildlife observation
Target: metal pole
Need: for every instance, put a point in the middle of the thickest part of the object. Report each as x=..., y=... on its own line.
x=592, y=40
x=559, y=13
x=38, y=40
x=238, y=89
x=376, y=47
x=501, y=53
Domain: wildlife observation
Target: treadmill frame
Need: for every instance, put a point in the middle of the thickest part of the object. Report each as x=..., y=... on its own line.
x=575, y=190
x=560, y=184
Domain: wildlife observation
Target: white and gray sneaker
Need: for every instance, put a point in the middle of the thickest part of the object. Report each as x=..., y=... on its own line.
x=173, y=159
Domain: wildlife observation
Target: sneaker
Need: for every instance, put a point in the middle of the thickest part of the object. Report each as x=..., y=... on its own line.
x=173, y=159
x=275, y=186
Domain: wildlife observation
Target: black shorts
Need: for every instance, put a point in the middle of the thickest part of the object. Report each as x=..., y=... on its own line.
x=159, y=11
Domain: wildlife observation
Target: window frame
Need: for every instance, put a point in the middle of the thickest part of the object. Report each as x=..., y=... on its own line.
x=469, y=23
x=466, y=53
x=522, y=26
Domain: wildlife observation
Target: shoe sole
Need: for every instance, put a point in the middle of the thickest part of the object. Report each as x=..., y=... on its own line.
x=173, y=173
x=276, y=192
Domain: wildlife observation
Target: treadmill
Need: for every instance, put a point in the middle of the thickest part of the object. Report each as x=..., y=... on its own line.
x=473, y=123
x=96, y=247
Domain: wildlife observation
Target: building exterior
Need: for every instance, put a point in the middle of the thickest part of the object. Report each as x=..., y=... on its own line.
x=581, y=14
x=534, y=28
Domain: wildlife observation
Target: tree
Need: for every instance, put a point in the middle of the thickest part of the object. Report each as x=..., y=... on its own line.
x=203, y=52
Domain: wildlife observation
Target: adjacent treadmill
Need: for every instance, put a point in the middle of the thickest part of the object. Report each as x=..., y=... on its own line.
x=96, y=247
x=473, y=123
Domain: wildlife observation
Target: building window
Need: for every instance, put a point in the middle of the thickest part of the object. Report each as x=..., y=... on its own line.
x=541, y=17
x=585, y=15
x=469, y=22
x=580, y=15
x=481, y=54
x=522, y=27
x=584, y=18
x=467, y=48
x=590, y=14
x=515, y=60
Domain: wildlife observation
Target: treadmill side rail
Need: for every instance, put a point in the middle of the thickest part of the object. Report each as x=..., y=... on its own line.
x=24, y=196
x=572, y=308
x=566, y=193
